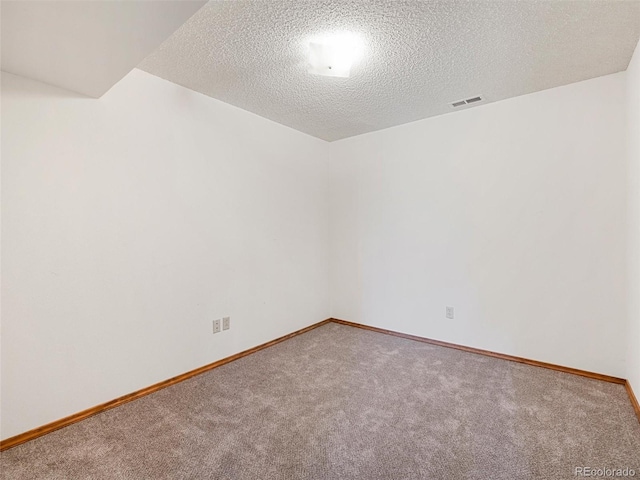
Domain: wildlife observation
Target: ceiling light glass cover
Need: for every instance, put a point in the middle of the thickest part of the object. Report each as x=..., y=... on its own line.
x=334, y=55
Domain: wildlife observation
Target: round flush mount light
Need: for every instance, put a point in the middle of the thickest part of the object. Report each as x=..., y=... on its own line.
x=333, y=55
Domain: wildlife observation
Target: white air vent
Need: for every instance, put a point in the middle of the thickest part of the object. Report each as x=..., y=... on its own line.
x=466, y=101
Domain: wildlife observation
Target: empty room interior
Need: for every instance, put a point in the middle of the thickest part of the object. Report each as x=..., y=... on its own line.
x=325, y=239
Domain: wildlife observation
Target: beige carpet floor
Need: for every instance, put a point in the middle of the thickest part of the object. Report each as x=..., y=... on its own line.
x=345, y=403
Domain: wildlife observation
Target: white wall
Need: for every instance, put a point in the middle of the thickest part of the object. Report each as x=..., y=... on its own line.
x=130, y=223
x=513, y=212
x=633, y=145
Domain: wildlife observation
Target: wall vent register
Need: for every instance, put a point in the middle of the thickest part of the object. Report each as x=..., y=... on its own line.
x=467, y=101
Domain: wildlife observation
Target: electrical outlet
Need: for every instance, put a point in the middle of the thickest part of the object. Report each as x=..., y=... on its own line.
x=449, y=312
x=216, y=326
x=226, y=323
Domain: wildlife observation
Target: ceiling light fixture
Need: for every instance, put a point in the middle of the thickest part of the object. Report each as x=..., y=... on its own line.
x=333, y=55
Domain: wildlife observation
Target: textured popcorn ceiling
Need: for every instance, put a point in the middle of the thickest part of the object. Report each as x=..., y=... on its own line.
x=419, y=56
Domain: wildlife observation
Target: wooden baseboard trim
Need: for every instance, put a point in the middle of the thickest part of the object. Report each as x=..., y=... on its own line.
x=76, y=417
x=535, y=363
x=633, y=398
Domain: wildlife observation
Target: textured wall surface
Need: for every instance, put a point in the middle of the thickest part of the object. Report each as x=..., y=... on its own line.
x=633, y=244
x=85, y=47
x=129, y=223
x=521, y=227
x=418, y=56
